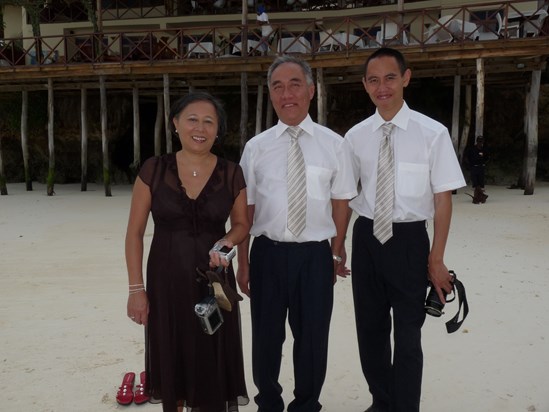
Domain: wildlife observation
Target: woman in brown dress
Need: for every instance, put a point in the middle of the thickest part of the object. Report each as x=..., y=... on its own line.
x=190, y=194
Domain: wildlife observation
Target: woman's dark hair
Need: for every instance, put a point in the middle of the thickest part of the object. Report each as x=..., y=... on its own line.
x=194, y=97
x=388, y=52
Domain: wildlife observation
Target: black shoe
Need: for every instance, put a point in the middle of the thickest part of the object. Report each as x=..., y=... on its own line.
x=374, y=409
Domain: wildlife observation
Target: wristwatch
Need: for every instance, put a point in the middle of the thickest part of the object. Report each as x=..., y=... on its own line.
x=337, y=258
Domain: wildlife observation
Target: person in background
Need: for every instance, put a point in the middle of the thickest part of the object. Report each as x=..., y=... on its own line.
x=267, y=31
x=299, y=181
x=477, y=158
x=407, y=167
x=190, y=194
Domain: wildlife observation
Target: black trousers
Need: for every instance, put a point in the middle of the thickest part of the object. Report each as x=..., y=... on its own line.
x=477, y=176
x=293, y=280
x=389, y=277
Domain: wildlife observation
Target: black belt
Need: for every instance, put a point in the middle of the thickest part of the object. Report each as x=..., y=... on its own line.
x=272, y=242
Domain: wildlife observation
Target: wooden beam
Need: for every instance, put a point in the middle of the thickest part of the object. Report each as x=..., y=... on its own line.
x=25, y=138
x=167, y=105
x=259, y=107
x=243, y=110
x=158, y=125
x=270, y=111
x=455, y=112
x=51, y=143
x=532, y=135
x=467, y=116
x=136, y=132
x=104, y=136
x=321, y=96
x=84, y=139
x=3, y=180
x=502, y=70
x=536, y=47
x=479, y=124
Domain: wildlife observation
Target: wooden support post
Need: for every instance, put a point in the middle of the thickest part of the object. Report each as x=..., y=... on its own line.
x=158, y=125
x=467, y=116
x=3, y=180
x=167, y=105
x=25, y=137
x=321, y=96
x=244, y=80
x=479, y=124
x=521, y=182
x=269, y=117
x=84, y=139
x=243, y=110
x=136, y=133
x=259, y=106
x=51, y=145
x=532, y=101
x=104, y=137
x=455, y=112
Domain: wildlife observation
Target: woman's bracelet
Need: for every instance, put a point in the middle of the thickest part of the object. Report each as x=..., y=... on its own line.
x=133, y=292
x=138, y=287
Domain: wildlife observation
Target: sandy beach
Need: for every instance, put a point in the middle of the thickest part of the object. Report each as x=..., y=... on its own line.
x=66, y=341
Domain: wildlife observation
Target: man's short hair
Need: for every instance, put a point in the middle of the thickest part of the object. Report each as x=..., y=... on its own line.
x=291, y=59
x=388, y=52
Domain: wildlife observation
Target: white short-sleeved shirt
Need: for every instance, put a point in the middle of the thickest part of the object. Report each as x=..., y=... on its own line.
x=329, y=176
x=266, y=29
x=425, y=164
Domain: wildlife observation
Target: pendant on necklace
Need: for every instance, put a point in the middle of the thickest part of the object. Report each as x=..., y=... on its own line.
x=195, y=173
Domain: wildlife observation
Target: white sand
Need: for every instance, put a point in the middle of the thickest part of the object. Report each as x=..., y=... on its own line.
x=66, y=342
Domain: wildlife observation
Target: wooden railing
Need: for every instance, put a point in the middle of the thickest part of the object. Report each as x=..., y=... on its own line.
x=60, y=11
x=502, y=21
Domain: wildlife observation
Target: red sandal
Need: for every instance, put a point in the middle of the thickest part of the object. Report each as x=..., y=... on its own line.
x=125, y=392
x=140, y=390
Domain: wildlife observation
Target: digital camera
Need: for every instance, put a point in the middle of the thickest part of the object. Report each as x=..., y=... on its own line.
x=227, y=253
x=209, y=314
x=433, y=305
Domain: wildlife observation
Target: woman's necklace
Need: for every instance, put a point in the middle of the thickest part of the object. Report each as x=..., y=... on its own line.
x=194, y=172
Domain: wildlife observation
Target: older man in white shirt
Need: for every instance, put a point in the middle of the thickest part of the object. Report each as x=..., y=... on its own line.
x=291, y=268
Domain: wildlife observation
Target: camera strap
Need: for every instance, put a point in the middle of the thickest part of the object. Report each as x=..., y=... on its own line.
x=453, y=324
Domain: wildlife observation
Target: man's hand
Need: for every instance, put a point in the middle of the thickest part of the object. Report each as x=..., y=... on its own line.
x=243, y=279
x=342, y=269
x=441, y=279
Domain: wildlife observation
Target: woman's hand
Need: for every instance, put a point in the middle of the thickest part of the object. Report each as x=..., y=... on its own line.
x=138, y=307
x=215, y=258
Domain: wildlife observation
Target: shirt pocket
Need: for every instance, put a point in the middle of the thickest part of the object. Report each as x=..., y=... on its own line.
x=319, y=182
x=412, y=179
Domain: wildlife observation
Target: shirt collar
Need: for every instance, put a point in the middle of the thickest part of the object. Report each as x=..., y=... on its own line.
x=307, y=125
x=400, y=120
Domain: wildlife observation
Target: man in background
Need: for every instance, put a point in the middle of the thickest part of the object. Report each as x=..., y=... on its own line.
x=477, y=158
x=267, y=31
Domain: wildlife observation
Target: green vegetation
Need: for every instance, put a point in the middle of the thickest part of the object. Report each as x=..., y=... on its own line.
x=10, y=107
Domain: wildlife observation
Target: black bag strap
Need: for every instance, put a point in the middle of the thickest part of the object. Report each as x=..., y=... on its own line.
x=452, y=325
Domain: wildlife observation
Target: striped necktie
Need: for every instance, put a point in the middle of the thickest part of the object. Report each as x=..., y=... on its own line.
x=297, y=184
x=385, y=192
